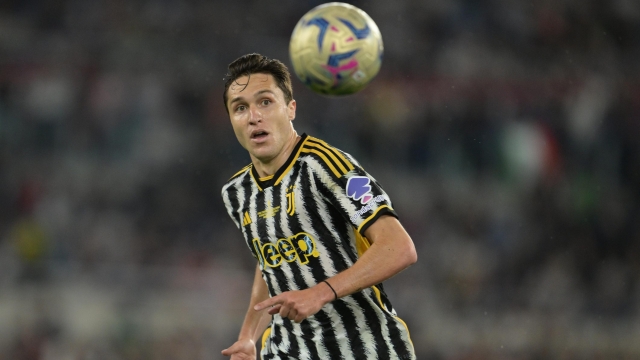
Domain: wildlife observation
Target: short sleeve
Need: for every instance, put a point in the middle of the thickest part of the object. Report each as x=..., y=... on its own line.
x=356, y=195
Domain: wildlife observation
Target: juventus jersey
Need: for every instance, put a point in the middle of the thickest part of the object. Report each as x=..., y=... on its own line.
x=305, y=224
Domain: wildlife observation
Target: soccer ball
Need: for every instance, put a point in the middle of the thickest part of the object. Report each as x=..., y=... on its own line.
x=336, y=49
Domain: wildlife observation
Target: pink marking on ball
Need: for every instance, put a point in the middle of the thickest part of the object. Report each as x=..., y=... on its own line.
x=333, y=47
x=336, y=69
x=334, y=28
x=349, y=39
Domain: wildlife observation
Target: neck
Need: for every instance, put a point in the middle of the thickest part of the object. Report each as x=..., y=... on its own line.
x=267, y=168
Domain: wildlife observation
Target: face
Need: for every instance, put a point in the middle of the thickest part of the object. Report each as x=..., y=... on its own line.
x=260, y=117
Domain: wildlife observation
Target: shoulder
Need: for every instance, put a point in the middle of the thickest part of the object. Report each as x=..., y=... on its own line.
x=233, y=180
x=326, y=158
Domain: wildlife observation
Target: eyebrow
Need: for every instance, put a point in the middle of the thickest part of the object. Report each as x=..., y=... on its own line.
x=238, y=98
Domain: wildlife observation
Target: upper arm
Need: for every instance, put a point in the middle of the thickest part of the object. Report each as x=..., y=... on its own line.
x=389, y=233
x=259, y=291
x=355, y=194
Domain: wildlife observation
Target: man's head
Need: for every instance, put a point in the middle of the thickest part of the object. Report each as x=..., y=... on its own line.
x=258, y=99
x=249, y=64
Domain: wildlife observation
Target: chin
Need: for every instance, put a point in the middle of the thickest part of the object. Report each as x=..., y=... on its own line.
x=263, y=156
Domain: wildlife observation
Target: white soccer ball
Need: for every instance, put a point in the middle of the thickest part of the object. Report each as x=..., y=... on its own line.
x=336, y=49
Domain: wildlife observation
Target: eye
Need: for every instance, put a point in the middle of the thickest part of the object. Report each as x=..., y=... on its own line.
x=240, y=108
x=265, y=102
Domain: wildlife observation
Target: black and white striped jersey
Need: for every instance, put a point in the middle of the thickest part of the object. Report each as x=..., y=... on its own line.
x=305, y=224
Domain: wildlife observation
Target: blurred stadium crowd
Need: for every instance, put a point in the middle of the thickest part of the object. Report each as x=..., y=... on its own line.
x=506, y=132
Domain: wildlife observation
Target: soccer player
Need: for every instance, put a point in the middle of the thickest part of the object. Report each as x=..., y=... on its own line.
x=323, y=232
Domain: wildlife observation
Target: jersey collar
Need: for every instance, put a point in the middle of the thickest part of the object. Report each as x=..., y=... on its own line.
x=282, y=171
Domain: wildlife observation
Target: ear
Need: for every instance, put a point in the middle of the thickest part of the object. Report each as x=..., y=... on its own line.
x=291, y=110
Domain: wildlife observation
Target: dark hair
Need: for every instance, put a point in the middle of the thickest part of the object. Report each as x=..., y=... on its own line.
x=254, y=63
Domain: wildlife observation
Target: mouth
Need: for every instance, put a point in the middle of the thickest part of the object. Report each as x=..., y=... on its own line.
x=259, y=135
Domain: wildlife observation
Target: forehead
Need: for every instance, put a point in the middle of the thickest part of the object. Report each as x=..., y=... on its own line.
x=248, y=85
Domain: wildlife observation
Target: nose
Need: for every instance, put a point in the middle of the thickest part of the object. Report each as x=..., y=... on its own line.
x=256, y=115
